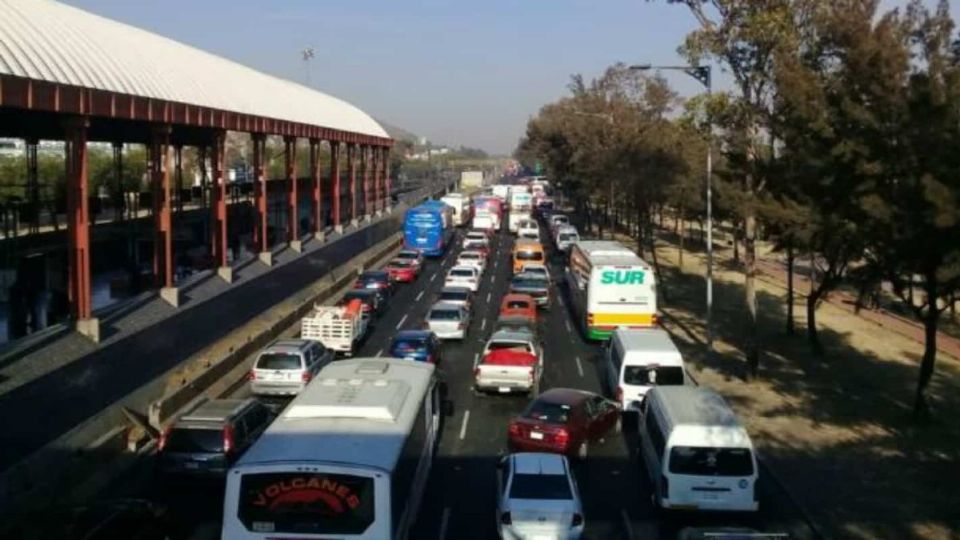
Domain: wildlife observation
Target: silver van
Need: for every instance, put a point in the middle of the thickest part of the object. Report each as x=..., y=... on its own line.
x=286, y=366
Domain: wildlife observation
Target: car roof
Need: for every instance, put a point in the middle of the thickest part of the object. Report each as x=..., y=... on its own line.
x=215, y=410
x=564, y=396
x=453, y=288
x=539, y=463
x=446, y=305
x=374, y=273
x=412, y=334
x=514, y=297
x=506, y=335
x=288, y=345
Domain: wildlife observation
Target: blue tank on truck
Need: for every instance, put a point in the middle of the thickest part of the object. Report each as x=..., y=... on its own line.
x=427, y=228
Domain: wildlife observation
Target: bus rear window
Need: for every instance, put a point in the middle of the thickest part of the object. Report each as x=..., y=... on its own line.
x=704, y=461
x=306, y=503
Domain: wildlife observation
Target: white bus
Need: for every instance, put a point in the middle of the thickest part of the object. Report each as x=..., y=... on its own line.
x=696, y=453
x=610, y=287
x=348, y=458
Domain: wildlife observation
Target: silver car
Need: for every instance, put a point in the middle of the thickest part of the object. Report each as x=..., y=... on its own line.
x=537, y=496
x=286, y=366
x=460, y=296
x=448, y=321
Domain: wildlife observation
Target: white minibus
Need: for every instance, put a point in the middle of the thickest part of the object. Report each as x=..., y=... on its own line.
x=348, y=458
x=696, y=453
x=639, y=359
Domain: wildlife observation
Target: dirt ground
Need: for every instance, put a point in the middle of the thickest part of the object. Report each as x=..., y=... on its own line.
x=837, y=430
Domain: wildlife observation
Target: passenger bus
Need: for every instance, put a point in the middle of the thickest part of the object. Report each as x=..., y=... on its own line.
x=426, y=228
x=348, y=458
x=610, y=287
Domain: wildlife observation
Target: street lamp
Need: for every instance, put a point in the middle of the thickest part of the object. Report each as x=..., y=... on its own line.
x=702, y=74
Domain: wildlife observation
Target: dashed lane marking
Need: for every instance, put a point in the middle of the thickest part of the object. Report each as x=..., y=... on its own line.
x=433, y=277
x=476, y=360
x=419, y=296
x=567, y=322
x=483, y=325
x=380, y=352
x=627, y=526
x=402, y=320
x=488, y=297
x=579, y=367
x=444, y=523
x=463, y=428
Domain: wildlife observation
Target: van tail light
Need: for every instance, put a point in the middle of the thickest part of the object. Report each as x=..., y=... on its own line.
x=577, y=520
x=252, y=376
x=618, y=394
x=664, y=487
x=164, y=436
x=505, y=519
x=227, y=439
x=561, y=437
x=306, y=376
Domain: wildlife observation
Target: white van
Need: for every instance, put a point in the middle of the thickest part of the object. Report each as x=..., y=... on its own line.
x=638, y=359
x=696, y=453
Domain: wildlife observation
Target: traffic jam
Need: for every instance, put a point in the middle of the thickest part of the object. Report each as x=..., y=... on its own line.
x=544, y=351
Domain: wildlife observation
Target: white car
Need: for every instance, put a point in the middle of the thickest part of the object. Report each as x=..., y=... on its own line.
x=538, y=269
x=528, y=228
x=448, y=320
x=557, y=221
x=472, y=257
x=538, y=497
x=566, y=236
x=463, y=276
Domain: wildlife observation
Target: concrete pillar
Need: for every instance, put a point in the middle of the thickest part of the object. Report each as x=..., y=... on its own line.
x=316, y=201
x=218, y=203
x=260, y=177
x=352, y=164
x=78, y=229
x=366, y=159
x=335, y=179
x=377, y=177
x=293, y=194
x=163, y=268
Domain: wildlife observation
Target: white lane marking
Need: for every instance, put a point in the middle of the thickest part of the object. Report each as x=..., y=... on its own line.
x=463, y=428
x=380, y=352
x=402, y=320
x=579, y=367
x=561, y=300
x=483, y=325
x=567, y=322
x=488, y=297
x=419, y=296
x=495, y=263
x=433, y=277
x=476, y=360
x=627, y=526
x=444, y=522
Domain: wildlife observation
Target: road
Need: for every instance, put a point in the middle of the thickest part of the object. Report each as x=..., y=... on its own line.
x=460, y=500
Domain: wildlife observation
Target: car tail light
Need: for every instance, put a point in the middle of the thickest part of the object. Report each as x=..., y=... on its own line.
x=577, y=520
x=306, y=376
x=227, y=439
x=618, y=394
x=561, y=437
x=505, y=519
x=164, y=435
x=664, y=487
x=476, y=372
x=430, y=361
x=530, y=375
x=590, y=319
x=252, y=376
x=513, y=429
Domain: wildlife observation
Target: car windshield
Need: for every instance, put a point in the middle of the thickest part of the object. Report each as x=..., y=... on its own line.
x=515, y=346
x=409, y=344
x=473, y=256
x=529, y=256
x=653, y=375
x=401, y=264
x=278, y=361
x=518, y=304
x=194, y=440
x=544, y=411
x=445, y=315
x=704, y=461
x=540, y=487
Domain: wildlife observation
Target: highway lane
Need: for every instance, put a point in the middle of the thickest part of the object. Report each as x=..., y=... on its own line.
x=460, y=497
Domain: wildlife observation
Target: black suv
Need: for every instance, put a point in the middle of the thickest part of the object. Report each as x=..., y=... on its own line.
x=208, y=439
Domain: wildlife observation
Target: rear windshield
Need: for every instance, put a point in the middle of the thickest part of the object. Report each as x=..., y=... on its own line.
x=470, y=255
x=455, y=295
x=528, y=283
x=513, y=327
x=568, y=238
x=409, y=344
x=401, y=263
x=529, y=256
x=194, y=440
x=306, y=503
x=445, y=315
x=652, y=376
x=278, y=361
x=462, y=273
x=518, y=304
x=540, y=487
x=551, y=413
x=411, y=255
x=509, y=346
x=704, y=461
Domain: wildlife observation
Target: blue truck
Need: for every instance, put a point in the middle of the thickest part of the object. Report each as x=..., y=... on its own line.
x=428, y=228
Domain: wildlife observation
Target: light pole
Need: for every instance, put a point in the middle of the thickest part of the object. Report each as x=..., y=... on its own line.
x=610, y=120
x=307, y=55
x=704, y=75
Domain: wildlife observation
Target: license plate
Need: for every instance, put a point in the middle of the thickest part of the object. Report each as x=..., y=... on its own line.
x=191, y=465
x=536, y=435
x=504, y=389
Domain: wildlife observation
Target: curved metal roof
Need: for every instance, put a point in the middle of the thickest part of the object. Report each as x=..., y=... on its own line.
x=48, y=41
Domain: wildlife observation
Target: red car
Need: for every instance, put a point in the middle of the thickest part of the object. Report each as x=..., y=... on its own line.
x=563, y=421
x=403, y=270
x=519, y=305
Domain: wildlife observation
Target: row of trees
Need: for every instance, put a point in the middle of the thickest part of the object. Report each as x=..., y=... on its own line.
x=838, y=141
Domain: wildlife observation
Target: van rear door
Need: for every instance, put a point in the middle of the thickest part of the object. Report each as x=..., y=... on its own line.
x=709, y=478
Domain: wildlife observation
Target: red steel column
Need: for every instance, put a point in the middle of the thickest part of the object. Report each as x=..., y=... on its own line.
x=367, y=153
x=293, y=194
x=387, y=200
x=162, y=200
x=377, y=178
x=259, y=151
x=352, y=164
x=335, y=179
x=78, y=228
x=218, y=203
x=316, y=207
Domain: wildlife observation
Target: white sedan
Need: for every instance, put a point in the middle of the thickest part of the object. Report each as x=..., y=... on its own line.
x=537, y=497
x=472, y=257
x=463, y=276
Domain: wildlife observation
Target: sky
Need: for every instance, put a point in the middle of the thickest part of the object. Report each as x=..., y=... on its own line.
x=459, y=72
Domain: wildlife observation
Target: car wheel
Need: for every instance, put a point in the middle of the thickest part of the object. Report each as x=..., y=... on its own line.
x=582, y=450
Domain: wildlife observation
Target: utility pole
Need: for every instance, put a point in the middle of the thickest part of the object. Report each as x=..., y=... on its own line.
x=307, y=55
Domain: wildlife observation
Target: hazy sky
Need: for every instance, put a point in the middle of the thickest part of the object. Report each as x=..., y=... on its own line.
x=458, y=72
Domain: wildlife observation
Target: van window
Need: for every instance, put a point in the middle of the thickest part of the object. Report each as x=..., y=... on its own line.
x=306, y=503
x=654, y=432
x=653, y=375
x=704, y=461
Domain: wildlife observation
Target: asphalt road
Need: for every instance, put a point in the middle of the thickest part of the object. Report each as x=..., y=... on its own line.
x=460, y=499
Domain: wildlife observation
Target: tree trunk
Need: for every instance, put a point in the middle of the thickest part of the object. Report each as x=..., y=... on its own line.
x=661, y=286
x=813, y=337
x=752, y=347
x=921, y=409
x=736, y=241
x=791, y=325
x=953, y=306
x=640, y=231
x=681, y=242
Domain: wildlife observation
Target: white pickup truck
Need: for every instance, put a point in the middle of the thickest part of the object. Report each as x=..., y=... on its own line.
x=340, y=328
x=511, y=362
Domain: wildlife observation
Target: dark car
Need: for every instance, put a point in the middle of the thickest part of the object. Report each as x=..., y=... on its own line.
x=209, y=438
x=420, y=345
x=374, y=279
x=534, y=285
x=373, y=300
x=563, y=421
